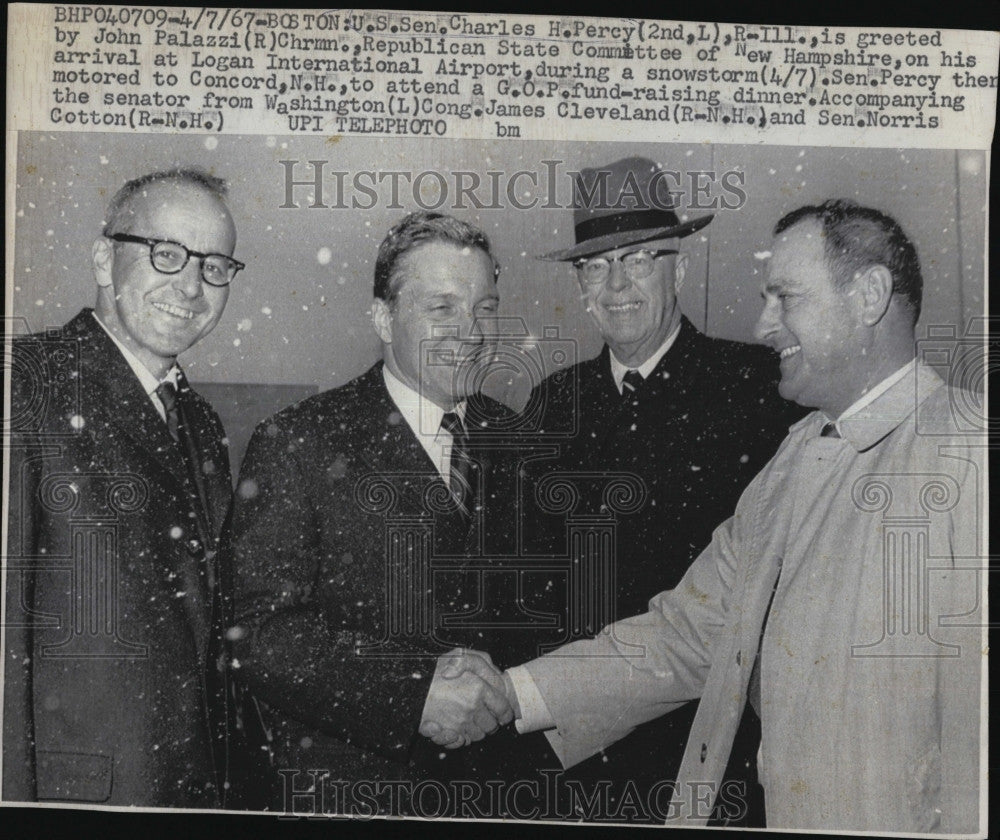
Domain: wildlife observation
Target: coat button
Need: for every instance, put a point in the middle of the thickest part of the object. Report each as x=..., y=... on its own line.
x=194, y=547
x=704, y=752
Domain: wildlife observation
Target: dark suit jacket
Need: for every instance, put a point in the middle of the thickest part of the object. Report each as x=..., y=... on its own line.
x=112, y=692
x=699, y=428
x=338, y=519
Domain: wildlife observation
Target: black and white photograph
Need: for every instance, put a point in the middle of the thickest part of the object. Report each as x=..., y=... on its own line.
x=610, y=482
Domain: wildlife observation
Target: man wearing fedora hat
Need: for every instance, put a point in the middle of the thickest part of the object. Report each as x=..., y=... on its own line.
x=692, y=418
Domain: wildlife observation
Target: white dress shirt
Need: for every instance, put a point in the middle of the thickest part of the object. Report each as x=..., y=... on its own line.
x=618, y=370
x=149, y=382
x=423, y=416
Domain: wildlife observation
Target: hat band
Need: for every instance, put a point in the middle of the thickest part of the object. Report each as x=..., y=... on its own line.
x=621, y=222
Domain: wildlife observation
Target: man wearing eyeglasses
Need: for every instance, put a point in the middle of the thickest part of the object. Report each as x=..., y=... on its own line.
x=687, y=419
x=116, y=689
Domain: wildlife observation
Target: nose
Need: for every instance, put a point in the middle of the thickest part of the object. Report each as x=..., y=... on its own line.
x=188, y=281
x=618, y=279
x=767, y=323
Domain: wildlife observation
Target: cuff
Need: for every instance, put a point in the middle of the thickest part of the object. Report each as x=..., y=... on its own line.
x=534, y=713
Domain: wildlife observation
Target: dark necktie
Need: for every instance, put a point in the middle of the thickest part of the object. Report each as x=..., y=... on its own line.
x=179, y=428
x=631, y=383
x=167, y=394
x=829, y=430
x=460, y=467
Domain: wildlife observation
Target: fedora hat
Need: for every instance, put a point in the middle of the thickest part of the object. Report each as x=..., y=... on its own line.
x=623, y=203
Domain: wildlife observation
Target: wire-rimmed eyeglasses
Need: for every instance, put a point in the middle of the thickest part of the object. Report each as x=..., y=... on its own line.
x=637, y=265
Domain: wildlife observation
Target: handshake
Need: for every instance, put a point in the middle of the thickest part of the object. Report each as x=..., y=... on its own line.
x=469, y=698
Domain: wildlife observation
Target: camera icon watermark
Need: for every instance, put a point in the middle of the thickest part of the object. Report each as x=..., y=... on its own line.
x=964, y=361
x=503, y=356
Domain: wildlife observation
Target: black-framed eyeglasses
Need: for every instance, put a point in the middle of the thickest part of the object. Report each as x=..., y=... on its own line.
x=169, y=257
x=637, y=265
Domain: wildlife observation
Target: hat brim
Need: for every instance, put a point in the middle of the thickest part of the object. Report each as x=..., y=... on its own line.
x=611, y=241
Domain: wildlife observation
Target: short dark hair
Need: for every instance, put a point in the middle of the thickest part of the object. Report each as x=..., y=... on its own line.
x=856, y=237
x=117, y=208
x=418, y=229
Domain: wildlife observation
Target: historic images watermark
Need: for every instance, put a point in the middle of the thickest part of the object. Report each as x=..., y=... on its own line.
x=550, y=796
x=318, y=185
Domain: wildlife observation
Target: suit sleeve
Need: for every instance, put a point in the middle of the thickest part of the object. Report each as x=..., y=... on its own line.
x=637, y=669
x=290, y=650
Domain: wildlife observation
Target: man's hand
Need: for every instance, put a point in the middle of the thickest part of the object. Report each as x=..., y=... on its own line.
x=466, y=701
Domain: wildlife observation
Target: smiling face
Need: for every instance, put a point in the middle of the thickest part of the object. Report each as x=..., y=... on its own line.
x=635, y=315
x=813, y=323
x=433, y=332
x=158, y=316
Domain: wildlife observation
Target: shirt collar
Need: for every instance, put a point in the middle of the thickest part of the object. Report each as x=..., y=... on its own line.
x=885, y=406
x=618, y=370
x=149, y=382
x=422, y=415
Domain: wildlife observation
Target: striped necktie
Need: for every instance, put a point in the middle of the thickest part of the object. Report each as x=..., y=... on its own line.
x=631, y=383
x=460, y=467
x=167, y=394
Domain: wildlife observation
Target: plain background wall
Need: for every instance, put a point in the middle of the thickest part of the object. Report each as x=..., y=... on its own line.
x=298, y=315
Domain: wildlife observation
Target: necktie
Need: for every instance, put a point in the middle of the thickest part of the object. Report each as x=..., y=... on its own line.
x=460, y=467
x=631, y=384
x=829, y=430
x=167, y=394
x=177, y=425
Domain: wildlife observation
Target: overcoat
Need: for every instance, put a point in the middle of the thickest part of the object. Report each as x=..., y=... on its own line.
x=852, y=574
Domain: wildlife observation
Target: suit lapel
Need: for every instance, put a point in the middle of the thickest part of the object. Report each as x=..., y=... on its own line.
x=668, y=383
x=390, y=444
x=393, y=448
x=111, y=383
x=663, y=392
x=213, y=454
x=602, y=406
x=114, y=385
x=197, y=427
x=600, y=402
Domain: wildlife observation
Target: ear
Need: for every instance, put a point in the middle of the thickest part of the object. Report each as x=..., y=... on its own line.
x=103, y=259
x=875, y=286
x=382, y=319
x=680, y=270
